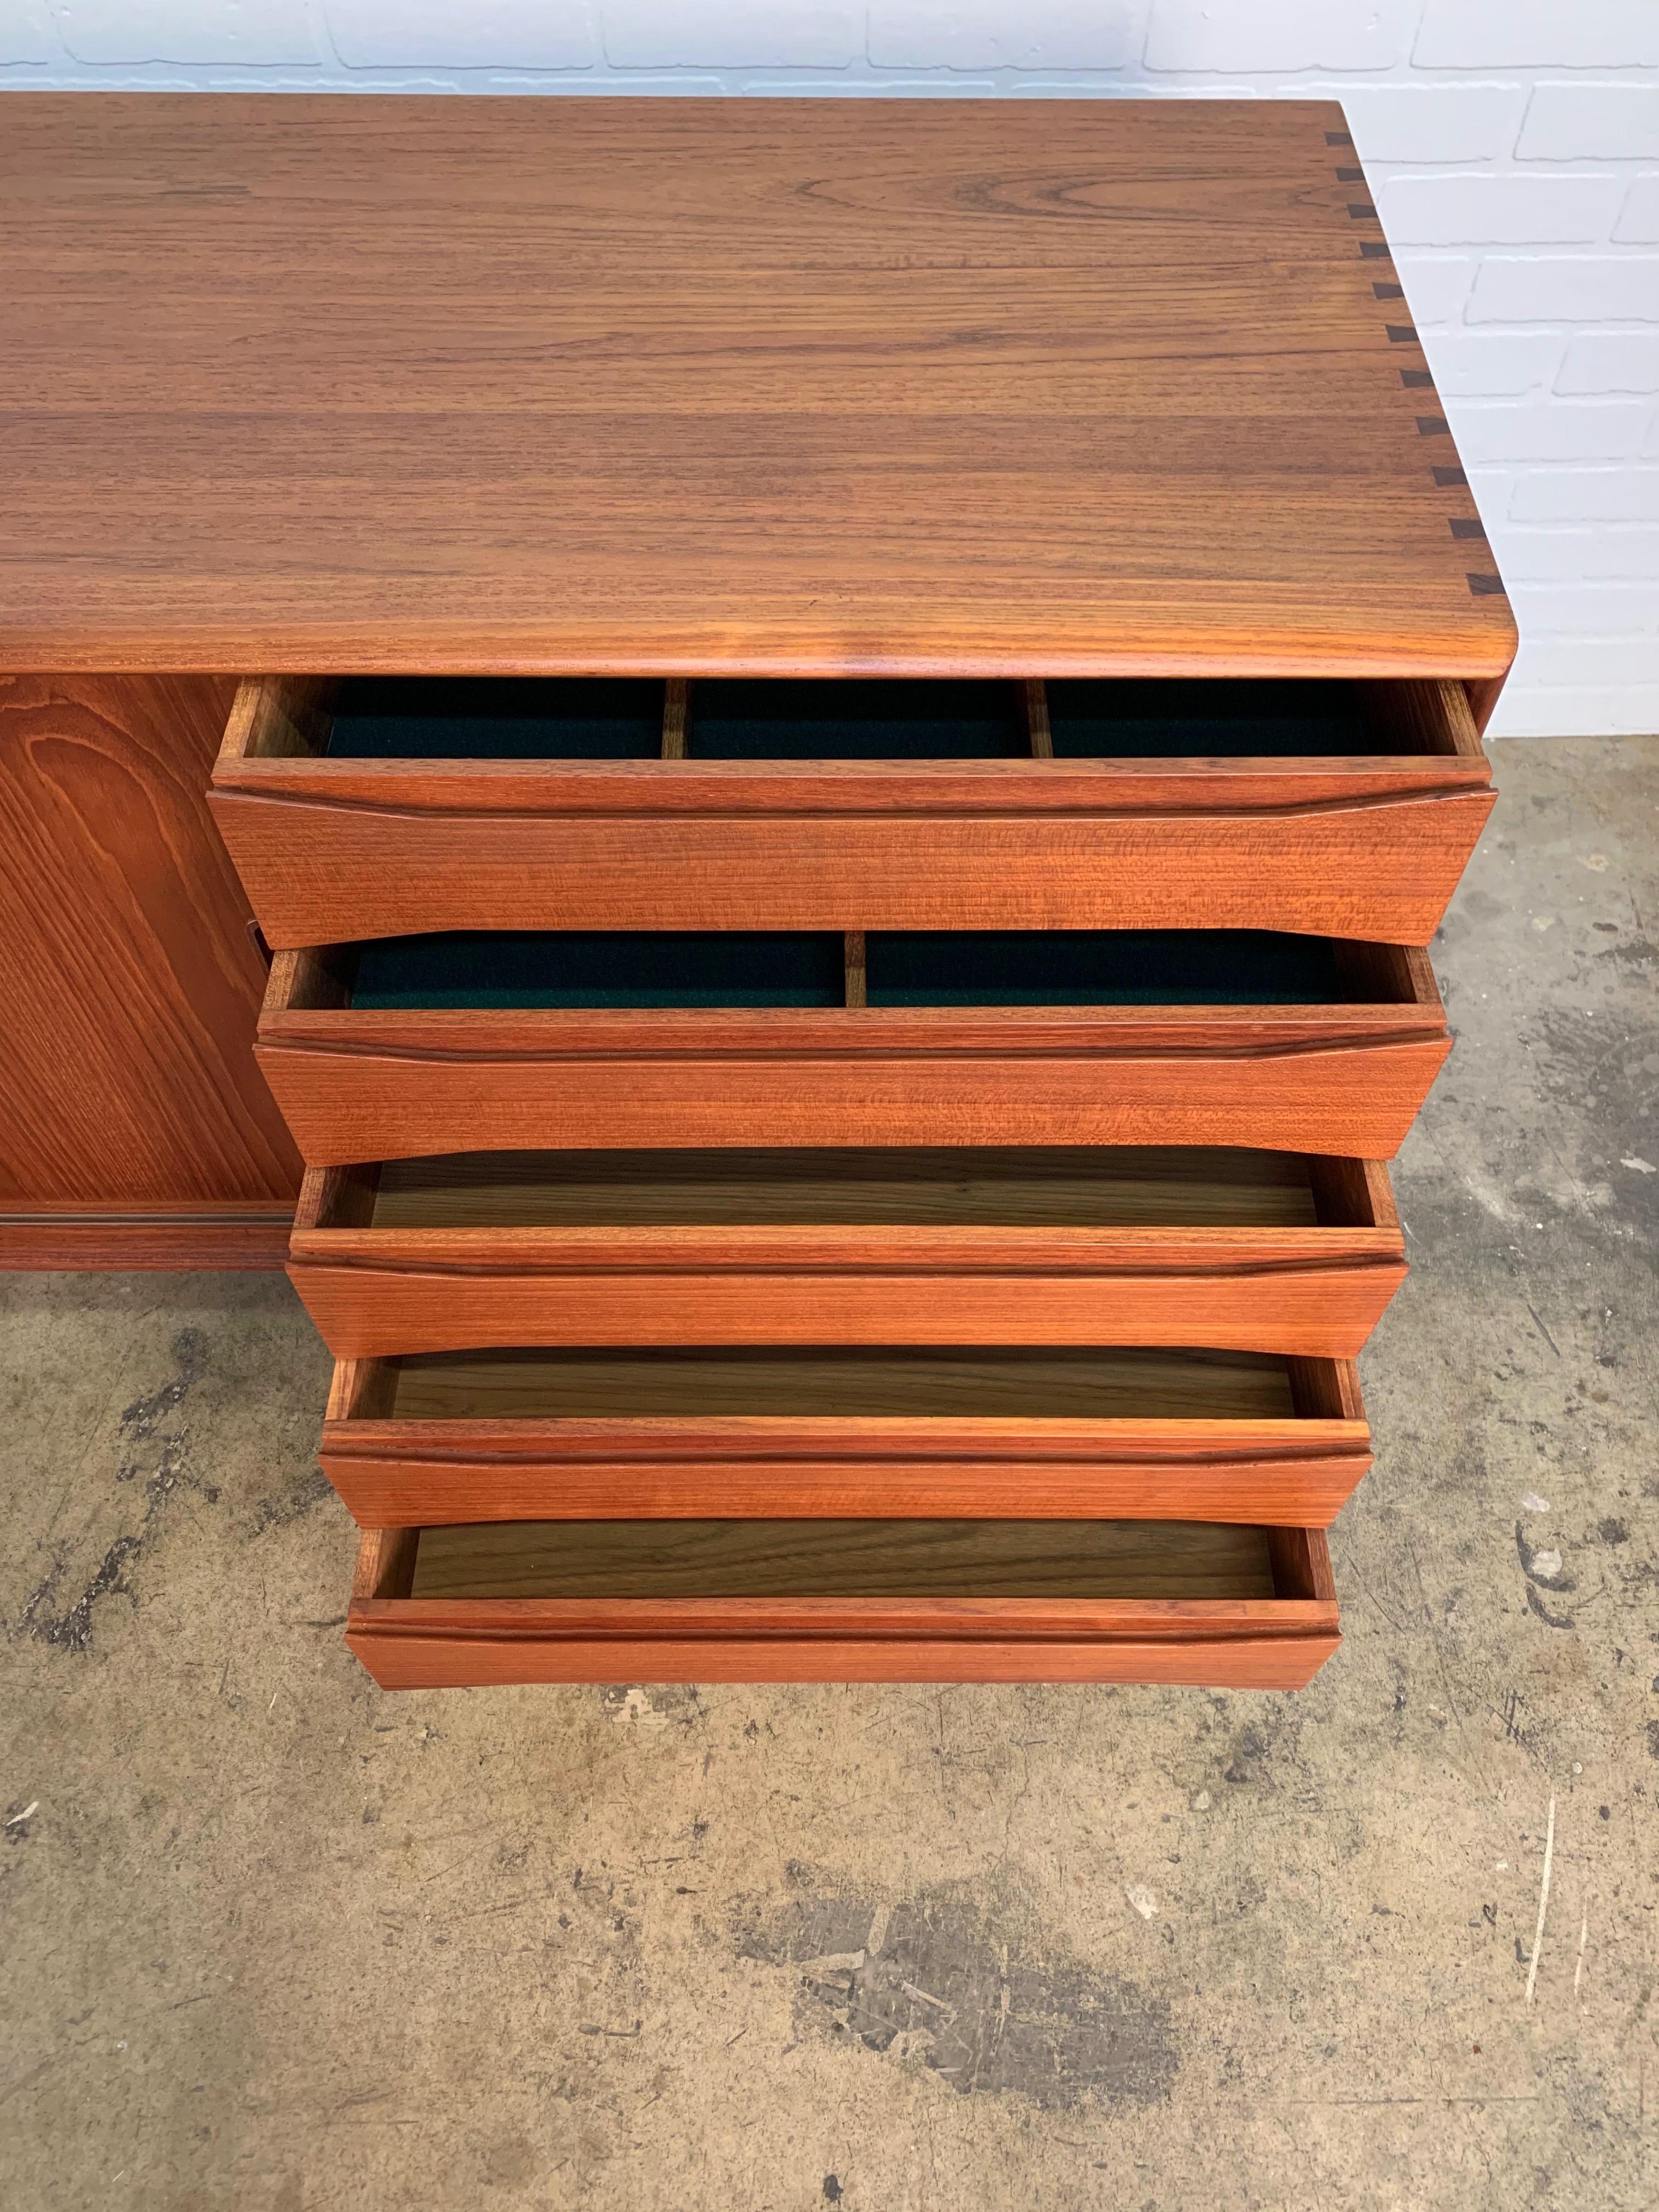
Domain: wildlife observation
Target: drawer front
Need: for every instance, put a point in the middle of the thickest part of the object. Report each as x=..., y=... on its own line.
x=420, y=1648
x=401, y=1474
x=1276, y=1641
x=1359, y=828
x=374, y=1294
x=1195, y=1437
x=1243, y=1251
x=1384, y=867
x=371, y=1086
x=498, y=1041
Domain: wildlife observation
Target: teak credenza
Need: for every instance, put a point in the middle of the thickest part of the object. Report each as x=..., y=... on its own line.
x=844, y=725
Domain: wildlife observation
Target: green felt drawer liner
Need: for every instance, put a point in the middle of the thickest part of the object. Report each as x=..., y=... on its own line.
x=750, y=968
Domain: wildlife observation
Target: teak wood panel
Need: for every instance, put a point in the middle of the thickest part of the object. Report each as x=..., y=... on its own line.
x=339, y=850
x=137, y=1129
x=404, y=1473
x=995, y=1382
x=1120, y=1187
x=927, y=388
x=381, y=1293
x=401, y=1472
x=375, y=1292
x=160, y=1237
x=1268, y=1643
x=1080, y=1561
x=376, y=1084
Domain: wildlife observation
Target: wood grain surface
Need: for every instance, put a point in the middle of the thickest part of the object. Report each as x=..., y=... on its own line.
x=406, y=1475
x=357, y=1085
x=374, y=1293
x=306, y=383
x=1266, y=1642
x=1241, y=1644
x=1372, y=866
x=1144, y=1247
x=136, y=1128
x=1187, y=1380
x=1119, y=1186
x=430, y=1646
x=160, y=1236
x=1184, y=1437
x=757, y=1557
x=689, y=1383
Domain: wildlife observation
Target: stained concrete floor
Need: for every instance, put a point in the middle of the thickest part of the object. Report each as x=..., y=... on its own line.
x=272, y=1939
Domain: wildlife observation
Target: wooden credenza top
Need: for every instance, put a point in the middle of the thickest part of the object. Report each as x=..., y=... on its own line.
x=805, y=386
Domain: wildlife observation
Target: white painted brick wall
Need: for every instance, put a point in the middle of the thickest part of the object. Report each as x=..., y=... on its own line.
x=1501, y=363
x=1438, y=285
x=1455, y=122
x=1611, y=361
x=1279, y=34
x=1551, y=288
x=26, y=33
x=990, y=34
x=1579, y=431
x=255, y=32
x=1513, y=145
x=1622, y=495
x=1476, y=210
x=1529, y=34
x=1602, y=122
x=783, y=35
x=1638, y=225
x=509, y=34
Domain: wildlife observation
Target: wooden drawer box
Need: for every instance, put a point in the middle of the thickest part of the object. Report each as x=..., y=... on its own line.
x=880, y=1432
x=1239, y=1607
x=1257, y=1251
x=384, y=807
x=486, y=1044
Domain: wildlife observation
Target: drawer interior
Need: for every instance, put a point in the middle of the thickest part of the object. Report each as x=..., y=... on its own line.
x=861, y=1382
x=1227, y=718
x=575, y=969
x=1090, y=967
x=859, y=719
x=600, y=967
x=1086, y=1560
x=1037, y=1187
x=495, y=718
x=729, y=719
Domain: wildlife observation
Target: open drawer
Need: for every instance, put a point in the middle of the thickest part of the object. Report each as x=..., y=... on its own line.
x=1234, y=1606
x=871, y=1433
x=1253, y=1250
x=492, y=1041
x=391, y=807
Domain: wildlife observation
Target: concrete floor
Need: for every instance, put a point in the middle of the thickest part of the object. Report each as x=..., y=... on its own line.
x=272, y=1939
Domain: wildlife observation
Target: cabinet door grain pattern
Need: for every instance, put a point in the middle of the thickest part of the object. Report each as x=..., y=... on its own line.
x=137, y=1129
